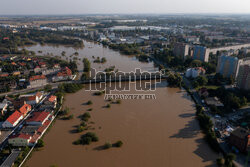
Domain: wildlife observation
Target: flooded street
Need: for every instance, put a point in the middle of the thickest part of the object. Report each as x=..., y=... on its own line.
x=155, y=133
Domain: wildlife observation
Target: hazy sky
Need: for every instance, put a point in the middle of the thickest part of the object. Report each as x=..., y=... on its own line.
x=122, y=6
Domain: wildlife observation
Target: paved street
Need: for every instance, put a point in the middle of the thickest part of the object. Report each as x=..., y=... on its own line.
x=10, y=159
x=54, y=85
x=4, y=134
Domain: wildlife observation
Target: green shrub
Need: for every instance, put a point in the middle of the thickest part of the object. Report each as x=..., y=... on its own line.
x=108, y=105
x=77, y=142
x=80, y=128
x=85, y=117
x=89, y=102
x=89, y=137
x=40, y=143
x=107, y=145
x=118, y=144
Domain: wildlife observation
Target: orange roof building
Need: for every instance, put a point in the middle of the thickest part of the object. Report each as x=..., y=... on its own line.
x=38, y=118
x=65, y=72
x=25, y=109
x=52, y=98
x=12, y=120
x=20, y=140
x=37, y=77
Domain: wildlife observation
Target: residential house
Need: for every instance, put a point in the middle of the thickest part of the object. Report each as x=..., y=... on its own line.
x=16, y=73
x=51, y=71
x=4, y=74
x=13, y=63
x=25, y=109
x=20, y=140
x=37, y=81
x=38, y=118
x=32, y=99
x=37, y=69
x=65, y=74
x=49, y=103
x=56, y=65
x=42, y=64
x=12, y=120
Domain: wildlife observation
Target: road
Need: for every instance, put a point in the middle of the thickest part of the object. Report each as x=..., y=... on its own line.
x=11, y=158
x=22, y=91
x=4, y=134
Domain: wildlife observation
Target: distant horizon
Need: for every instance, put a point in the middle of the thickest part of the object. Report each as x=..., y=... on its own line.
x=82, y=7
x=124, y=14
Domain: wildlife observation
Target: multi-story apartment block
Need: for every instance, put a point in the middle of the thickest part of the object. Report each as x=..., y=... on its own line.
x=243, y=79
x=181, y=50
x=200, y=53
x=227, y=66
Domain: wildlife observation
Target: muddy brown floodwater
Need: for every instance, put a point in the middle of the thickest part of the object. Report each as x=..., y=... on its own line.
x=156, y=133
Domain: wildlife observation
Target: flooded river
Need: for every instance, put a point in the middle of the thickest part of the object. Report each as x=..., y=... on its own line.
x=156, y=133
x=92, y=51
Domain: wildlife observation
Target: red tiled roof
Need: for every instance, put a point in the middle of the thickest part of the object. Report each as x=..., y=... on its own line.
x=31, y=98
x=52, y=98
x=21, y=135
x=13, y=63
x=34, y=138
x=25, y=109
x=37, y=77
x=14, y=117
x=65, y=72
x=4, y=75
x=38, y=117
x=43, y=127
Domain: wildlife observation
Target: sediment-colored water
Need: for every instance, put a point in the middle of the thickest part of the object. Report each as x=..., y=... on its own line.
x=156, y=133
